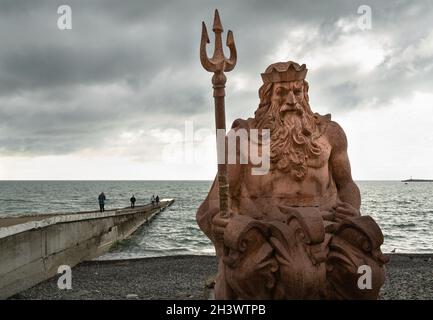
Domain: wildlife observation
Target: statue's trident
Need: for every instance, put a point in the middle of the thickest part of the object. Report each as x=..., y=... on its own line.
x=219, y=64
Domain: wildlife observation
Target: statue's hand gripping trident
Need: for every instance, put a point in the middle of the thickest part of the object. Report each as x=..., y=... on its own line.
x=219, y=64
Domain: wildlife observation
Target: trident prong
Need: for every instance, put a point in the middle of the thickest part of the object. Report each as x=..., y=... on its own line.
x=218, y=62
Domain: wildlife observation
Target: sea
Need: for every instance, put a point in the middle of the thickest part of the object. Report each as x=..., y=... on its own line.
x=403, y=211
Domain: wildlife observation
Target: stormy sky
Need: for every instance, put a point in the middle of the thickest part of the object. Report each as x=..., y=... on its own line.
x=116, y=96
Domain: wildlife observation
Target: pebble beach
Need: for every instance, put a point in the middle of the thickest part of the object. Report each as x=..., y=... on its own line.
x=409, y=277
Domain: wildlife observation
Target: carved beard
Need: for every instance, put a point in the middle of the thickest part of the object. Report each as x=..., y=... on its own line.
x=293, y=135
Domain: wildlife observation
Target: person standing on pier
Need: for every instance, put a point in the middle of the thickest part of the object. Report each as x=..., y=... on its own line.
x=152, y=199
x=133, y=201
x=157, y=200
x=101, y=200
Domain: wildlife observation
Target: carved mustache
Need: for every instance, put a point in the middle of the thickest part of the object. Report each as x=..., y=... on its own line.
x=291, y=108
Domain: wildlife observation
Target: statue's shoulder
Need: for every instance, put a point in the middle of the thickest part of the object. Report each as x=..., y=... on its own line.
x=332, y=130
x=326, y=123
x=325, y=118
x=323, y=121
x=243, y=124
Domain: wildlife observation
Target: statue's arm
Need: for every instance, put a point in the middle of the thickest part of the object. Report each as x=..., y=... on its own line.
x=348, y=191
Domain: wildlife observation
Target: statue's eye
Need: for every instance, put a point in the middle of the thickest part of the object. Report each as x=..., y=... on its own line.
x=281, y=91
x=297, y=92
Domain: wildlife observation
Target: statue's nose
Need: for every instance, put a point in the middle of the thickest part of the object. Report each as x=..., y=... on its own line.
x=290, y=98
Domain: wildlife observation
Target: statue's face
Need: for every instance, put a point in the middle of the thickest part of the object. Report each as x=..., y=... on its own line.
x=288, y=95
x=285, y=111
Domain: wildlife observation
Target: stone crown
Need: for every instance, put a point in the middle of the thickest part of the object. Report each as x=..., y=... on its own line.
x=284, y=72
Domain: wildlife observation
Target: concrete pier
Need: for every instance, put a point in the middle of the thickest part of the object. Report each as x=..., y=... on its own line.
x=33, y=247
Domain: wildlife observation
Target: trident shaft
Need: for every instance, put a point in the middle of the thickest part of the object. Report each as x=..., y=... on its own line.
x=219, y=64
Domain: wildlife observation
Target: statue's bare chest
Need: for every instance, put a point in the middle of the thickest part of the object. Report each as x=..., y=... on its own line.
x=284, y=184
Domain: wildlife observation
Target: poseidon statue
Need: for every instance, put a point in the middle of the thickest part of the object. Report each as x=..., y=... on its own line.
x=295, y=232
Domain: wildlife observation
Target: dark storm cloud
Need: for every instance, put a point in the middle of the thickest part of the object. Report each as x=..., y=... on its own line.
x=131, y=65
